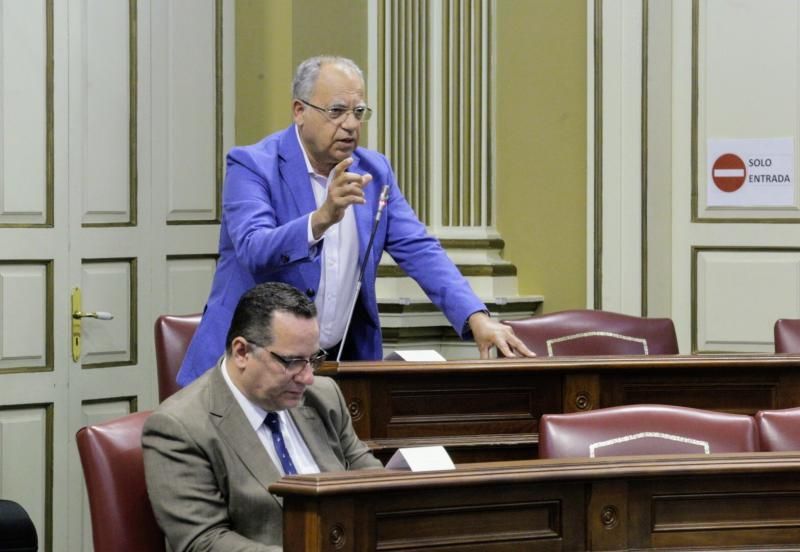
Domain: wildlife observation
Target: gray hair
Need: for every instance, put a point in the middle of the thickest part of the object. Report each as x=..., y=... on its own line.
x=308, y=71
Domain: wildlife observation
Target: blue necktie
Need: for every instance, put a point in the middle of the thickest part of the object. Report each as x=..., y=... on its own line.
x=274, y=425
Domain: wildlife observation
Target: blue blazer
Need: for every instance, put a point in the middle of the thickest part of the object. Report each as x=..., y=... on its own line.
x=263, y=237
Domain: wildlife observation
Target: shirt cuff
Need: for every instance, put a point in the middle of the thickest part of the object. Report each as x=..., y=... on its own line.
x=310, y=235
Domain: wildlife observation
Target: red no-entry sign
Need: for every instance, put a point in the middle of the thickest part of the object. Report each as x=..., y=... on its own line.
x=728, y=172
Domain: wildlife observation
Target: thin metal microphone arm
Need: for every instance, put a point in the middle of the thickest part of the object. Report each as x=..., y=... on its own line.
x=382, y=201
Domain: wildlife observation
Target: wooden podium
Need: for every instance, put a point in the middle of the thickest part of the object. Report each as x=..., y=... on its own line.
x=732, y=502
x=489, y=410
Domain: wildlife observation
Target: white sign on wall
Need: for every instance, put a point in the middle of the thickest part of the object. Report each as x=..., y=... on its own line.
x=750, y=173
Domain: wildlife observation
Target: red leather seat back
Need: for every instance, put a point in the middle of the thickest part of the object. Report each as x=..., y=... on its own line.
x=111, y=455
x=173, y=334
x=644, y=429
x=779, y=430
x=787, y=335
x=592, y=332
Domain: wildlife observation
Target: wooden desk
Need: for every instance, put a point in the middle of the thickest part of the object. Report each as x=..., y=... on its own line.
x=489, y=410
x=739, y=501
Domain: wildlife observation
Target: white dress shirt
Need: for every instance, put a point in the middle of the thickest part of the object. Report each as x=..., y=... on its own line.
x=337, y=283
x=298, y=450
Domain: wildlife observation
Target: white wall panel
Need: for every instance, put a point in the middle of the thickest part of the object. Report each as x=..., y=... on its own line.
x=658, y=138
x=748, y=62
x=106, y=286
x=740, y=294
x=106, y=106
x=621, y=178
x=23, y=112
x=747, y=72
x=24, y=459
x=188, y=283
x=23, y=316
x=96, y=412
x=192, y=108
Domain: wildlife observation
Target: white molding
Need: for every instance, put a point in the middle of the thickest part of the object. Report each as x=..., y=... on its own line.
x=621, y=156
x=590, y=145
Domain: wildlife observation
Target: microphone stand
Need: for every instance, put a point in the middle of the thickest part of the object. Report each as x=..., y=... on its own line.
x=381, y=205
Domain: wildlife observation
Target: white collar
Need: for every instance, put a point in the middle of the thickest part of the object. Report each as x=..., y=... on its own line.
x=309, y=168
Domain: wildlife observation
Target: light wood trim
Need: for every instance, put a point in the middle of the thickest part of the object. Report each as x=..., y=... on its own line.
x=730, y=363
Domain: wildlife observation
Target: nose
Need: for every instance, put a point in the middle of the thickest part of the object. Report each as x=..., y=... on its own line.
x=351, y=122
x=305, y=376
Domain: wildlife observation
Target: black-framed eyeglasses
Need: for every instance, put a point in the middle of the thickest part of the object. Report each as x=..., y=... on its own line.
x=294, y=365
x=338, y=114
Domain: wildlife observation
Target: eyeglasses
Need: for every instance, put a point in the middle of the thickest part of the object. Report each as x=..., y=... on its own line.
x=338, y=114
x=294, y=365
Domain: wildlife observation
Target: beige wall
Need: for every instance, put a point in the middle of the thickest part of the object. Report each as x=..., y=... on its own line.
x=541, y=146
x=272, y=37
x=332, y=28
x=540, y=125
x=264, y=67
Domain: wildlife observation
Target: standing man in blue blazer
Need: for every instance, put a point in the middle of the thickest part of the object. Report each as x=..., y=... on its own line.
x=298, y=207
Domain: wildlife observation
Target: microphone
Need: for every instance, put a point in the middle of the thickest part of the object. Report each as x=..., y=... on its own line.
x=382, y=200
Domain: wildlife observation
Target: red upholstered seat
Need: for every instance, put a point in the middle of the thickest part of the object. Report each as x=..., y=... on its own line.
x=173, y=334
x=644, y=429
x=593, y=332
x=111, y=455
x=787, y=335
x=779, y=430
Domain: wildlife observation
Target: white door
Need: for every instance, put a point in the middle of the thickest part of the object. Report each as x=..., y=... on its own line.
x=672, y=81
x=112, y=129
x=736, y=269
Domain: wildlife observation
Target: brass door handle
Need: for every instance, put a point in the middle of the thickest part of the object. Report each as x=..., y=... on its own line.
x=77, y=316
x=99, y=315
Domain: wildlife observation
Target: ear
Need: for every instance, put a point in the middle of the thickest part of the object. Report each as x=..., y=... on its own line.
x=298, y=110
x=239, y=350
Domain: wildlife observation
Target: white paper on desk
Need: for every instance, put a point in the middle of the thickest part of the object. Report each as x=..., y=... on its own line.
x=421, y=459
x=419, y=355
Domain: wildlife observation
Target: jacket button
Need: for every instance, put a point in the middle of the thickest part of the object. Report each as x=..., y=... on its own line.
x=284, y=258
x=310, y=292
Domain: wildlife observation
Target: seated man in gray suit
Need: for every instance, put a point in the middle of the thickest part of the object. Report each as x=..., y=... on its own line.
x=212, y=450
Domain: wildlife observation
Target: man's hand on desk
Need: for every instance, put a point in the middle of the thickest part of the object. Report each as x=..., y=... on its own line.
x=490, y=333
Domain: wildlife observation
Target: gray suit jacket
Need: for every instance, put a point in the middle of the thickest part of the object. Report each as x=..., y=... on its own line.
x=208, y=473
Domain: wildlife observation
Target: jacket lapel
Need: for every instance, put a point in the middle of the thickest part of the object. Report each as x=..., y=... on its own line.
x=294, y=174
x=364, y=213
x=235, y=429
x=313, y=431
